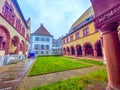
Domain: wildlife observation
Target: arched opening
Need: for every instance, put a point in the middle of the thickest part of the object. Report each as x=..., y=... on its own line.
x=4, y=39
x=15, y=45
x=68, y=51
x=23, y=50
x=79, y=50
x=72, y=51
x=22, y=47
x=26, y=48
x=88, y=49
x=98, y=48
x=64, y=51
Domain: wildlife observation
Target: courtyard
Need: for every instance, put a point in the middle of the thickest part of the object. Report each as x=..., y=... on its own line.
x=64, y=73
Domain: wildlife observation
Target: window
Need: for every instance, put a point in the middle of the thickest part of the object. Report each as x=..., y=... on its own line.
x=48, y=40
x=18, y=25
x=5, y=10
x=64, y=41
x=42, y=39
x=42, y=52
x=12, y=19
x=85, y=32
x=8, y=13
x=36, y=52
x=46, y=52
x=42, y=46
x=77, y=35
x=36, y=38
x=71, y=38
x=48, y=47
x=36, y=46
x=23, y=31
x=67, y=40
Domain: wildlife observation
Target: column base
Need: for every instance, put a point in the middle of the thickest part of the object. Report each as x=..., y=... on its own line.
x=109, y=87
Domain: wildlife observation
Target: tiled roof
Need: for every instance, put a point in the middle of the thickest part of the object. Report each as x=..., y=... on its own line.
x=42, y=31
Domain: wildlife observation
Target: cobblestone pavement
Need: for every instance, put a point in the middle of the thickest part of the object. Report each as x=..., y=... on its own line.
x=11, y=77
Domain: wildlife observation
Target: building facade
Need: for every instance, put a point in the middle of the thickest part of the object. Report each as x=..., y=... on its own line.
x=57, y=46
x=41, y=42
x=83, y=39
x=14, y=31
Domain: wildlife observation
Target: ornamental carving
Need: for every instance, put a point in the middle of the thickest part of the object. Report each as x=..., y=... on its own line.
x=109, y=15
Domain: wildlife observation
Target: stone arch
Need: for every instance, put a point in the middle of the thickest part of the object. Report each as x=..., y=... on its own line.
x=15, y=45
x=98, y=48
x=79, y=50
x=5, y=39
x=72, y=50
x=26, y=47
x=23, y=48
x=88, y=49
x=64, y=51
x=68, y=50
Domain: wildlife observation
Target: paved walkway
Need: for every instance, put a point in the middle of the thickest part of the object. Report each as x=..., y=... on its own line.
x=12, y=75
x=31, y=82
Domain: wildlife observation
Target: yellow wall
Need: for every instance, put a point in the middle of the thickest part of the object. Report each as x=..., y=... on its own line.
x=92, y=38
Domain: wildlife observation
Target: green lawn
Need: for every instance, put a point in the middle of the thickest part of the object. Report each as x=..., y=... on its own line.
x=91, y=61
x=88, y=61
x=78, y=83
x=45, y=65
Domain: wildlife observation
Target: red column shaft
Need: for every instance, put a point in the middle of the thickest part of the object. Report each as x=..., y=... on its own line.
x=111, y=45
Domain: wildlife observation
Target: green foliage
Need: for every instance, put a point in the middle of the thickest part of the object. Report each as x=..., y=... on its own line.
x=77, y=83
x=45, y=65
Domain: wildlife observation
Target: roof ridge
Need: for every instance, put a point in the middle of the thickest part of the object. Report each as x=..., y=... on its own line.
x=42, y=31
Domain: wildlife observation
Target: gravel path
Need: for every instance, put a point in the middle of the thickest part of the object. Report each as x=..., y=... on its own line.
x=31, y=82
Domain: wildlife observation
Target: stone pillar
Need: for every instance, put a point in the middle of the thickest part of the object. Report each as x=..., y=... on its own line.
x=95, y=52
x=70, y=52
x=76, y=55
x=111, y=45
x=83, y=52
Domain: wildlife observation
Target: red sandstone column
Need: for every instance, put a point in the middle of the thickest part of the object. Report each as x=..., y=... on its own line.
x=83, y=52
x=95, y=52
x=76, y=53
x=111, y=45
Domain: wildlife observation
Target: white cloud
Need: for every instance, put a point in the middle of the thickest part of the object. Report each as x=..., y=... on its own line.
x=56, y=15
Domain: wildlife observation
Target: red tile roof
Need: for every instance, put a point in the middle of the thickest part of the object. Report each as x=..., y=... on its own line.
x=42, y=31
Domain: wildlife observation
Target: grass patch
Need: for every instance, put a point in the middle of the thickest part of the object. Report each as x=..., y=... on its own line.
x=45, y=65
x=78, y=83
x=92, y=62
x=87, y=61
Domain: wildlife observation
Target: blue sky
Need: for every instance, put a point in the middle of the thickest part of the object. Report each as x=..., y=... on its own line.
x=56, y=15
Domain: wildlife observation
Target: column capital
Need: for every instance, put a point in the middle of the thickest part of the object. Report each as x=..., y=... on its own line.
x=107, y=28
